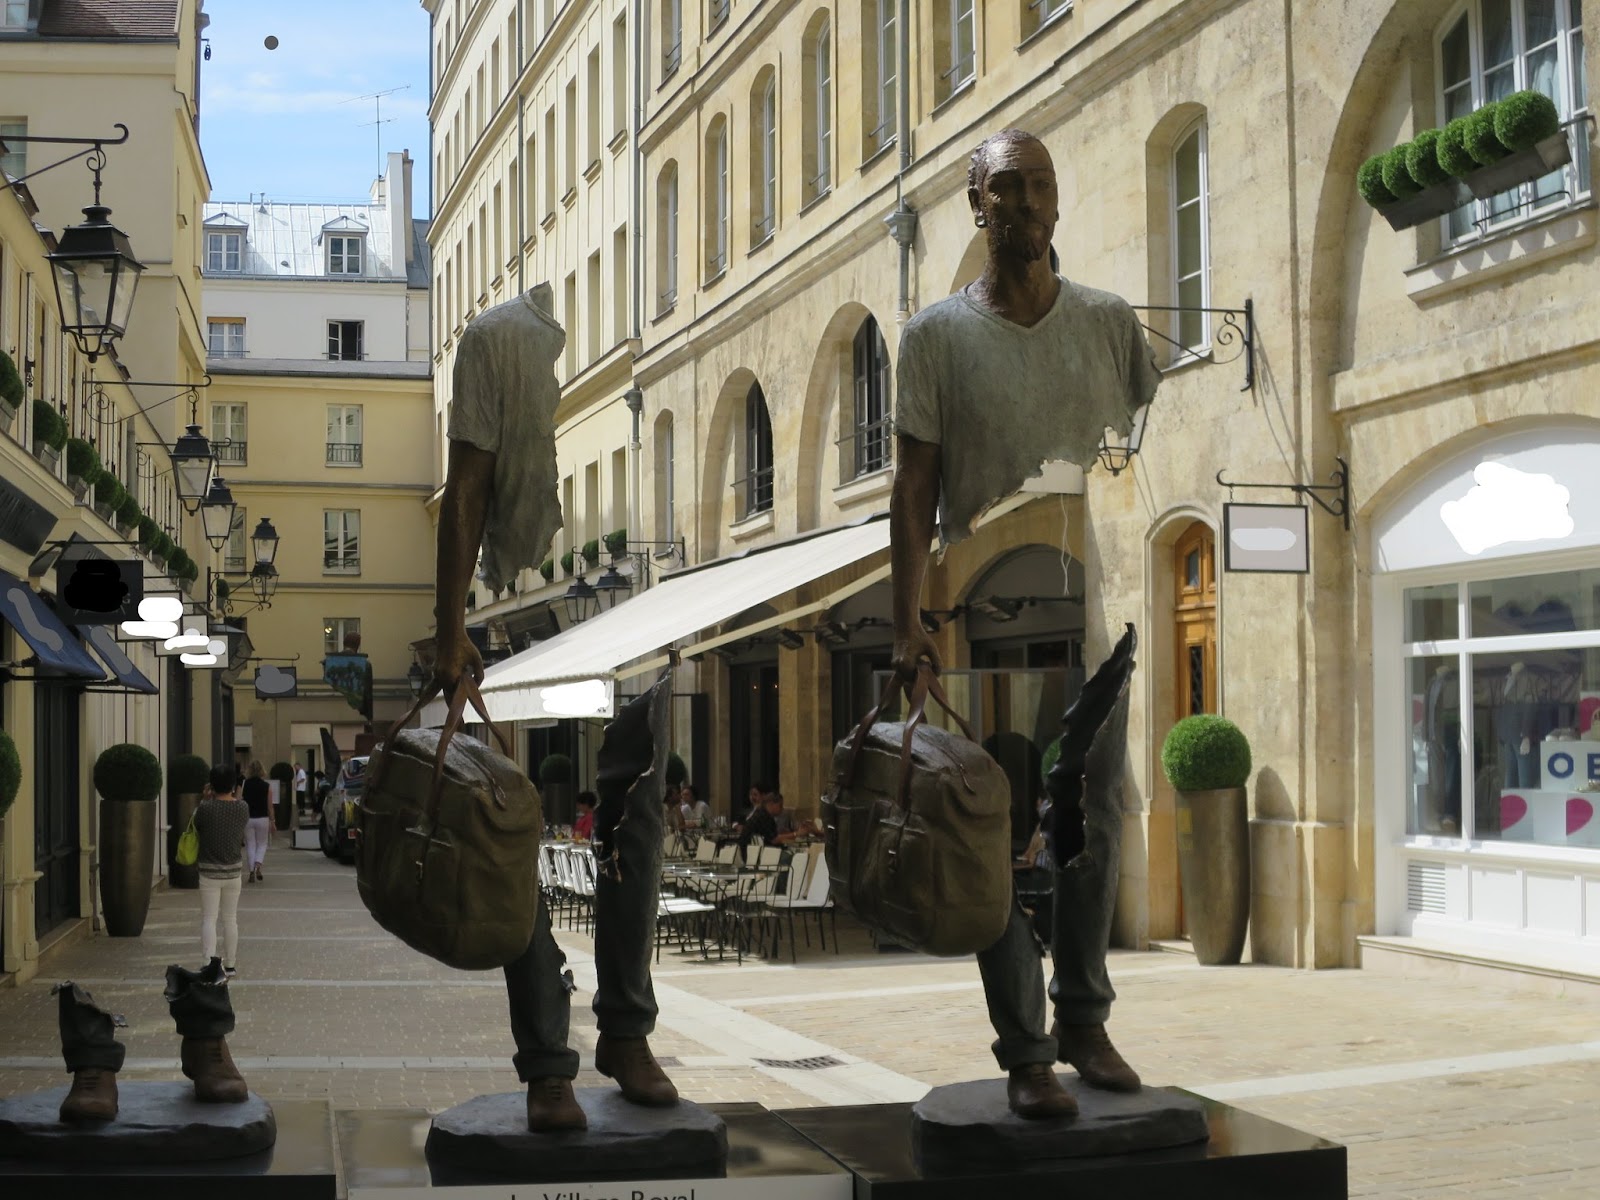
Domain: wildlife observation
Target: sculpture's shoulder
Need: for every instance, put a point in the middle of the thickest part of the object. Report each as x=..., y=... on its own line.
x=512, y=318
x=952, y=312
x=1107, y=306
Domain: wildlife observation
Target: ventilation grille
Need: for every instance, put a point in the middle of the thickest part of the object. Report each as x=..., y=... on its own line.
x=802, y=1064
x=1425, y=887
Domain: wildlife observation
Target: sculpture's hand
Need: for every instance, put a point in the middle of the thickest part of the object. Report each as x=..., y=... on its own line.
x=455, y=656
x=911, y=649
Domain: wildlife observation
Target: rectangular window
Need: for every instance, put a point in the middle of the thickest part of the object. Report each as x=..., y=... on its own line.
x=619, y=75
x=341, y=541
x=592, y=117
x=1036, y=14
x=225, y=337
x=549, y=162
x=1191, y=242
x=881, y=67
x=494, y=75
x=344, y=435
x=718, y=13
x=497, y=263
x=569, y=317
x=14, y=162
x=570, y=180
x=671, y=36
x=593, y=335
x=234, y=553
x=959, y=66
x=530, y=183
x=344, y=255
x=224, y=252
x=229, y=435
x=668, y=235
x=344, y=340
x=16, y=13
x=483, y=250
x=767, y=211
x=334, y=631
x=619, y=285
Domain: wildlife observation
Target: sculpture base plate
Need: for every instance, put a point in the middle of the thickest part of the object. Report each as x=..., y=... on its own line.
x=1245, y=1157
x=963, y=1123
x=488, y=1135
x=155, y=1123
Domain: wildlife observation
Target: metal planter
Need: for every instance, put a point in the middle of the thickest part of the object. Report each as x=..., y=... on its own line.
x=1522, y=166
x=127, y=864
x=182, y=808
x=1214, y=861
x=1425, y=205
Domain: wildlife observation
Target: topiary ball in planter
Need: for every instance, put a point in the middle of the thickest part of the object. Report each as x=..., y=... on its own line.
x=1451, y=149
x=10, y=772
x=1206, y=753
x=548, y=569
x=109, y=492
x=48, y=427
x=1422, y=159
x=1524, y=119
x=83, y=461
x=1396, y=176
x=128, y=514
x=188, y=775
x=11, y=389
x=149, y=533
x=126, y=773
x=677, y=770
x=555, y=769
x=1369, y=182
x=1481, y=142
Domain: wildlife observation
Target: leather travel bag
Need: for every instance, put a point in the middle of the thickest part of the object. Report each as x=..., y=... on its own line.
x=918, y=829
x=447, y=841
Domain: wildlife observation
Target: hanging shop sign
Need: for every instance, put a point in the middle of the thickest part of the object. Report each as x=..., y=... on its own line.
x=1267, y=538
x=24, y=522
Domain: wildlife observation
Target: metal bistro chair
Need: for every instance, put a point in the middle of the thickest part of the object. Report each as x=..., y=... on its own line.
x=814, y=900
x=802, y=869
x=583, y=858
x=745, y=904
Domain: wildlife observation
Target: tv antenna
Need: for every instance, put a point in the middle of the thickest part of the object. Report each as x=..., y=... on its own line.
x=378, y=119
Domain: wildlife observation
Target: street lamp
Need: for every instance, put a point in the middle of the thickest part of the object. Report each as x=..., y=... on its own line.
x=582, y=601
x=217, y=513
x=96, y=276
x=1116, y=453
x=415, y=680
x=193, y=465
x=264, y=541
x=264, y=581
x=611, y=587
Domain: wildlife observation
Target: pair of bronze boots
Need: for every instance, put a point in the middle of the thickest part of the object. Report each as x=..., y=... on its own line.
x=199, y=1004
x=553, y=1107
x=1034, y=1092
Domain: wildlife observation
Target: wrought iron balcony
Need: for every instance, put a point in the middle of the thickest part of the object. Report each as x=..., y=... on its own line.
x=344, y=454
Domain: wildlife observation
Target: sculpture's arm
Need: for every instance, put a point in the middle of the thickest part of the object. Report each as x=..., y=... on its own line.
x=913, y=505
x=469, y=484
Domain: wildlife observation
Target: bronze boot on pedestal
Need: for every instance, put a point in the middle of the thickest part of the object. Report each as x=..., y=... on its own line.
x=198, y=1001
x=638, y=1074
x=552, y=1106
x=1034, y=1093
x=92, y=1054
x=1089, y=1049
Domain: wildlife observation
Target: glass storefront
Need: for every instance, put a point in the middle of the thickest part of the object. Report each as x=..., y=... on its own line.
x=1504, y=741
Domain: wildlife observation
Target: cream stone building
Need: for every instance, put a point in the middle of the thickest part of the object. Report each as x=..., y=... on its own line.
x=317, y=319
x=803, y=177
x=68, y=69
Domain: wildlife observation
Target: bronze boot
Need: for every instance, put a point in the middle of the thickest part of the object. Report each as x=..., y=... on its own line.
x=1089, y=1049
x=216, y=1079
x=1035, y=1094
x=93, y=1096
x=552, y=1106
x=638, y=1074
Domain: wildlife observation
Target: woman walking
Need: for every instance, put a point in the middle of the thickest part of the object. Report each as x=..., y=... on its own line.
x=220, y=821
x=258, y=834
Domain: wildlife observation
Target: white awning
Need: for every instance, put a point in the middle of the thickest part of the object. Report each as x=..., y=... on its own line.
x=575, y=673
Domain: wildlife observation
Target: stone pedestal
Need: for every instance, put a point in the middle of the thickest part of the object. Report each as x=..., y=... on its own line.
x=155, y=1123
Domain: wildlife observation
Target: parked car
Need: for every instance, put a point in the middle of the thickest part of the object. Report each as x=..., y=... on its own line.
x=338, y=830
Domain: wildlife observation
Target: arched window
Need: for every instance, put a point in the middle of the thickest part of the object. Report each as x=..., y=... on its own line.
x=667, y=238
x=1492, y=48
x=716, y=208
x=764, y=157
x=869, y=371
x=816, y=110
x=1191, y=239
x=671, y=36
x=1036, y=14
x=757, y=453
x=666, y=490
x=878, y=75
x=954, y=47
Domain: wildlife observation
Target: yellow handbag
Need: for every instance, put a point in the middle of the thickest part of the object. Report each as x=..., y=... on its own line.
x=188, y=846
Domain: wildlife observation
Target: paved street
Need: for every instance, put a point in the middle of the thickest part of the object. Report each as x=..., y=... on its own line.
x=1441, y=1089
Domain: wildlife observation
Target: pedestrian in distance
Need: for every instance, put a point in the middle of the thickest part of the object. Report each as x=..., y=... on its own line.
x=220, y=819
x=258, y=833
x=299, y=787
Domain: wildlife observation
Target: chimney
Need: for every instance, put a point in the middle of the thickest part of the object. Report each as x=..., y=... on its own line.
x=405, y=207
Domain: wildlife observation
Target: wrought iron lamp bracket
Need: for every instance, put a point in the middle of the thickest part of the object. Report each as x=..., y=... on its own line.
x=95, y=153
x=1238, y=326
x=1338, y=506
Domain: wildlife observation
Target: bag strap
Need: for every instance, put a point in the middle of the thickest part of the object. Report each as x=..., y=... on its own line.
x=927, y=685
x=466, y=690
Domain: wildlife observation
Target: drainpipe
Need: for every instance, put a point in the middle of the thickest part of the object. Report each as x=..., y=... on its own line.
x=522, y=200
x=634, y=399
x=902, y=222
x=636, y=192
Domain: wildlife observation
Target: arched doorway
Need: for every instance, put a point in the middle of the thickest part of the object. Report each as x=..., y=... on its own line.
x=1194, y=639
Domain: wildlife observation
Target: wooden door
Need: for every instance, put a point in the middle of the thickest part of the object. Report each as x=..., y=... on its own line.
x=1195, y=633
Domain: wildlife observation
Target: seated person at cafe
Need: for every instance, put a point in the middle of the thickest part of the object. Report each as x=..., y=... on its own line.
x=764, y=823
x=583, y=827
x=787, y=827
x=694, y=812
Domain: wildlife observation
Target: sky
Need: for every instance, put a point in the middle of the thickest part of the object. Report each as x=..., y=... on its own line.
x=286, y=123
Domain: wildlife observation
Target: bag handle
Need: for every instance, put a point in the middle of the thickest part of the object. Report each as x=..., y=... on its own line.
x=927, y=685
x=466, y=689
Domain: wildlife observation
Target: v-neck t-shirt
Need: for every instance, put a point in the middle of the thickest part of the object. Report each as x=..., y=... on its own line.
x=1001, y=399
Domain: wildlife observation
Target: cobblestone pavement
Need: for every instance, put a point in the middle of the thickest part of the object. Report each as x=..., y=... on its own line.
x=1440, y=1088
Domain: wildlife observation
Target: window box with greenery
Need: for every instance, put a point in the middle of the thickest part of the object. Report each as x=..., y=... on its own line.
x=129, y=516
x=108, y=496
x=128, y=778
x=49, y=433
x=11, y=391
x=83, y=467
x=186, y=782
x=1498, y=147
x=1207, y=761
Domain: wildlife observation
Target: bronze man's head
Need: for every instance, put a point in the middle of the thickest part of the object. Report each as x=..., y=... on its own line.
x=1011, y=186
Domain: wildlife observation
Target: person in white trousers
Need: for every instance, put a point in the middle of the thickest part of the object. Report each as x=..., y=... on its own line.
x=258, y=833
x=220, y=820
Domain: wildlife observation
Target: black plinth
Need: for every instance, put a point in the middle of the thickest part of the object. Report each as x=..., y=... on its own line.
x=155, y=1123
x=382, y=1151
x=298, y=1166
x=962, y=1124
x=489, y=1135
x=1246, y=1157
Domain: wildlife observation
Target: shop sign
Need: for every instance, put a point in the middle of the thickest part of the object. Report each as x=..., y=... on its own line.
x=1272, y=539
x=99, y=590
x=277, y=683
x=778, y=1187
x=1569, y=762
x=24, y=522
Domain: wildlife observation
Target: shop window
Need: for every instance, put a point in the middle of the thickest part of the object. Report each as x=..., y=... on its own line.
x=1493, y=48
x=878, y=75
x=816, y=110
x=867, y=449
x=757, y=487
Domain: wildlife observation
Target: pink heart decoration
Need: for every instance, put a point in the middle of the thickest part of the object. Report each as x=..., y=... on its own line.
x=1588, y=710
x=1579, y=813
x=1512, y=809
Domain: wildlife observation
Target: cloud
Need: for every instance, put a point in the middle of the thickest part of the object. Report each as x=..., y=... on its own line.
x=1507, y=505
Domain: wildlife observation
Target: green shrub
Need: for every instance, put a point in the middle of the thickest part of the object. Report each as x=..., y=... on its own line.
x=178, y=561
x=677, y=770
x=555, y=769
x=591, y=551
x=548, y=569
x=1451, y=149
x=1369, y=182
x=124, y=773
x=1205, y=752
x=187, y=775
x=128, y=511
x=11, y=389
x=1395, y=175
x=1051, y=753
x=190, y=571
x=1422, y=159
x=616, y=541
x=283, y=772
x=1479, y=136
x=1524, y=119
x=10, y=771
x=48, y=427
x=224, y=588
x=149, y=533
x=109, y=492
x=83, y=461
x=165, y=546
x=566, y=562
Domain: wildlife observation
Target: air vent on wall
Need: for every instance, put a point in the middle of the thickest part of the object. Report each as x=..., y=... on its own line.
x=1425, y=887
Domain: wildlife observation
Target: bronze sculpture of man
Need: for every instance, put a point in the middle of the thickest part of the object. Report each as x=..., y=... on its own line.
x=1019, y=368
x=500, y=498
